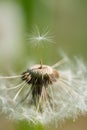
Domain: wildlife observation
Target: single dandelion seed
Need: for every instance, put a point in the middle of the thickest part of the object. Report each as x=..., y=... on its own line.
x=10, y=77
x=39, y=38
x=17, y=94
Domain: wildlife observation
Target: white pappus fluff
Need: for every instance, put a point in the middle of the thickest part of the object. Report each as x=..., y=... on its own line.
x=69, y=96
x=38, y=37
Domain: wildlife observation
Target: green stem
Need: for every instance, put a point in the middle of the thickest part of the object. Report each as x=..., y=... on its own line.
x=24, y=125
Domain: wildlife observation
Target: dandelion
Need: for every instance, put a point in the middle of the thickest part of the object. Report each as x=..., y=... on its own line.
x=46, y=93
x=38, y=38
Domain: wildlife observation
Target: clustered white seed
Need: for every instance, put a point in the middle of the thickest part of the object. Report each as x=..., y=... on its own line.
x=69, y=96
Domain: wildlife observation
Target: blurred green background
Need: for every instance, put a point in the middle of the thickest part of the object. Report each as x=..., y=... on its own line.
x=67, y=20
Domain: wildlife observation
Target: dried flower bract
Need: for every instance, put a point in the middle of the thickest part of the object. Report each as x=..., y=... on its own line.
x=40, y=77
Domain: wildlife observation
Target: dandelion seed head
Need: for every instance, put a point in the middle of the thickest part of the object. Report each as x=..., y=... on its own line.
x=64, y=95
